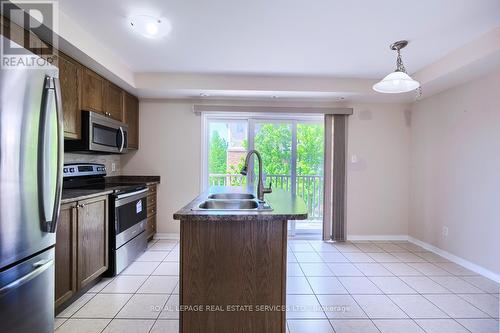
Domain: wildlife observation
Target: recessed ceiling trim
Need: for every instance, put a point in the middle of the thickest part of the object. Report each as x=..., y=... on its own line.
x=270, y=109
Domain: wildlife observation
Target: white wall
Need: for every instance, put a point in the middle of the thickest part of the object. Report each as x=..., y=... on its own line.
x=170, y=146
x=455, y=171
x=378, y=184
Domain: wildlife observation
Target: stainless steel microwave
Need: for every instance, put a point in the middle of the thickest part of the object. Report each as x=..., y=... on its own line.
x=100, y=134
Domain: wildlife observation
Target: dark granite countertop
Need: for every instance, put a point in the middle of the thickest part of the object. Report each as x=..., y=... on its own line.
x=71, y=195
x=285, y=207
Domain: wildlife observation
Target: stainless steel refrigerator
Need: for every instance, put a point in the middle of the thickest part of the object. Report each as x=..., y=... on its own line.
x=31, y=157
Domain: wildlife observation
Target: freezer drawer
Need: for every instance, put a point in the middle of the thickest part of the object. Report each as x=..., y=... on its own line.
x=27, y=295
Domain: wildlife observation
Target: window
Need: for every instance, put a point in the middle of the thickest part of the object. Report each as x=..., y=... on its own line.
x=291, y=148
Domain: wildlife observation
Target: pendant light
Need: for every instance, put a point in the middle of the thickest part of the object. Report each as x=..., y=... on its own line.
x=398, y=81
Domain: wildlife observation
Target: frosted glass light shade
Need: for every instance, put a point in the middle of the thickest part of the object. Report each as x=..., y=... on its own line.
x=395, y=83
x=149, y=26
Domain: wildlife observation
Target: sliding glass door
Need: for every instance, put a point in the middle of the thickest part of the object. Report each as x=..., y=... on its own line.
x=227, y=146
x=310, y=158
x=292, y=152
x=273, y=140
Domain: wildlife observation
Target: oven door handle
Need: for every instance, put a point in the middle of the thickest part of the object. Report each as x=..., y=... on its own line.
x=126, y=195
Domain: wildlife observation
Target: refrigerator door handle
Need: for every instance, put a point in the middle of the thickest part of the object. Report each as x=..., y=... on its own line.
x=50, y=139
x=40, y=267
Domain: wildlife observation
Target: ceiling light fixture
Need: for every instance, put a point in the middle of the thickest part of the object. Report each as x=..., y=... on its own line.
x=150, y=26
x=398, y=81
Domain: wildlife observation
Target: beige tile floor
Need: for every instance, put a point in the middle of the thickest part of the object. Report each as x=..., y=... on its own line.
x=358, y=287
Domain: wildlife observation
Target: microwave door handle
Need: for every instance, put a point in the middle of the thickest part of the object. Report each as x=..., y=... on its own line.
x=49, y=189
x=123, y=139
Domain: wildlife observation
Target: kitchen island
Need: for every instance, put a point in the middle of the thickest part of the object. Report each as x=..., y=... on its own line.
x=233, y=262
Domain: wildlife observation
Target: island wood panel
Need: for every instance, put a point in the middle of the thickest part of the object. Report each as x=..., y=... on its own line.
x=233, y=263
x=92, y=239
x=65, y=254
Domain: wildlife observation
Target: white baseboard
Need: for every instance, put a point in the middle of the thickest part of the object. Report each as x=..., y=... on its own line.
x=166, y=235
x=456, y=259
x=377, y=237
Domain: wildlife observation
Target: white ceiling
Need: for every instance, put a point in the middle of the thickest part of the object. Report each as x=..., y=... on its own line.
x=286, y=37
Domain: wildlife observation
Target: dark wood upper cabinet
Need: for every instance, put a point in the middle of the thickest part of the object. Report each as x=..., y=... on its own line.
x=12, y=31
x=69, y=78
x=65, y=260
x=131, y=113
x=92, y=239
x=81, y=88
x=113, y=97
x=92, y=91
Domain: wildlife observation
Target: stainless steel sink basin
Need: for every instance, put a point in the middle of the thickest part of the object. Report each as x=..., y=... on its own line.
x=232, y=205
x=231, y=196
x=229, y=204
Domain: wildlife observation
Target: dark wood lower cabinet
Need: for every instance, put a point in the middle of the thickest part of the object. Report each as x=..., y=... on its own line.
x=225, y=264
x=92, y=239
x=81, y=246
x=151, y=212
x=65, y=261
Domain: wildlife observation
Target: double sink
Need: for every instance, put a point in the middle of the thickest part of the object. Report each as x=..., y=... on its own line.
x=232, y=202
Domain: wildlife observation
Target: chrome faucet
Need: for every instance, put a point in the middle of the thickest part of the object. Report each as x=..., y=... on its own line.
x=261, y=190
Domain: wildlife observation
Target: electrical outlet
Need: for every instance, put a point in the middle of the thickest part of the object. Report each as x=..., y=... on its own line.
x=113, y=167
x=354, y=158
x=445, y=231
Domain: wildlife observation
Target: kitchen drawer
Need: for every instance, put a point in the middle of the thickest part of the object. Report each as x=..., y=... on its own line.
x=151, y=199
x=152, y=189
x=151, y=210
x=151, y=226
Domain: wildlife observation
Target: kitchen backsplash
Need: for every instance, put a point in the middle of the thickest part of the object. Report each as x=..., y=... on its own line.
x=107, y=160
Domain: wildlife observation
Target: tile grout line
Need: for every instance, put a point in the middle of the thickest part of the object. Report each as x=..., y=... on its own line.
x=133, y=294
x=318, y=252
x=310, y=286
x=398, y=276
x=355, y=301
